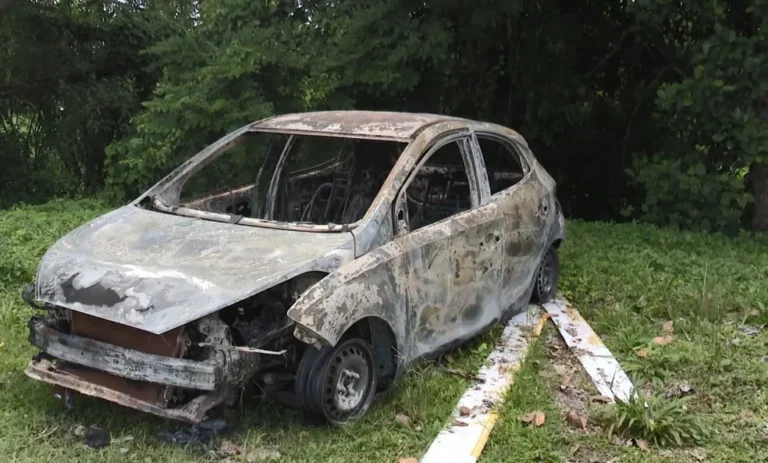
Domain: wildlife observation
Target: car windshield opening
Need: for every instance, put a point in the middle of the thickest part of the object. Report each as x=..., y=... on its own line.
x=307, y=179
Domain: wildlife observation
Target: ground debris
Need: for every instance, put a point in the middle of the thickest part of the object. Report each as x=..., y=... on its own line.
x=404, y=420
x=96, y=438
x=750, y=330
x=663, y=340
x=575, y=419
x=668, y=327
x=537, y=418
x=679, y=389
x=229, y=449
x=699, y=453
x=197, y=433
x=464, y=374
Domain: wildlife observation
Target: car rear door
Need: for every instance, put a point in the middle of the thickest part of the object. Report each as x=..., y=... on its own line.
x=522, y=204
x=453, y=242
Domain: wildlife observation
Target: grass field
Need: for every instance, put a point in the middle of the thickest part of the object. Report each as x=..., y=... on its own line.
x=629, y=281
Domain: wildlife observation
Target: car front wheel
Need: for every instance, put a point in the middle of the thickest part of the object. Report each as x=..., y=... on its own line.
x=546, y=278
x=337, y=383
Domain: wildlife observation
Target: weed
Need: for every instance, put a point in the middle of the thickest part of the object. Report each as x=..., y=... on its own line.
x=656, y=420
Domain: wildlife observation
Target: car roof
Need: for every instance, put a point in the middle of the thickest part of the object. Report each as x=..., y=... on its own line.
x=384, y=125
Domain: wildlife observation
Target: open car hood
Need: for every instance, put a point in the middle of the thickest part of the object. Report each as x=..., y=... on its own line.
x=157, y=271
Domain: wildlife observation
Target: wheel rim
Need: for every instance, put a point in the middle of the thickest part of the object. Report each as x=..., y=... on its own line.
x=545, y=279
x=347, y=382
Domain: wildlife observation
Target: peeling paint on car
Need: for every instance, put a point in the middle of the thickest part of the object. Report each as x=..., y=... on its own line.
x=251, y=294
x=157, y=271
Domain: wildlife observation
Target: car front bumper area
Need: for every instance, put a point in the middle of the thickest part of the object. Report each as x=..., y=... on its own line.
x=125, y=376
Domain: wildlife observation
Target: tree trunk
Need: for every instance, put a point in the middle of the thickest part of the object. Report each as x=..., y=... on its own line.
x=759, y=179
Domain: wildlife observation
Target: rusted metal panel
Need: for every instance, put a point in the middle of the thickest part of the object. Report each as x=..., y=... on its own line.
x=151, y=393
x=193, y=412
x=370, y=286
x=371, y=124
x=127, y=363
x=168, y=344
x=157, y=271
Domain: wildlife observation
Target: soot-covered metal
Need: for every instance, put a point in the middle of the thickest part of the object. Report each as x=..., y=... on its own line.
x=320, y=285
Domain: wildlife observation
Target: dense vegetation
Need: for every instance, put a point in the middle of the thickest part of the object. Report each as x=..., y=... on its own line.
x=648, y=109
x=630, y=281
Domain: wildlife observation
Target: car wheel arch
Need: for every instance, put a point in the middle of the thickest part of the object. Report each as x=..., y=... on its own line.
x=370, y=286
x=379, y=333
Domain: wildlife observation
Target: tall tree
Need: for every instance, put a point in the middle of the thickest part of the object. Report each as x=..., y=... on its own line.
x=72, y=74
x=712, y=121
x=241, y=63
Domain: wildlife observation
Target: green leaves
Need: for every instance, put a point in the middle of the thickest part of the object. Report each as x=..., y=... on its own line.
x=684, y=194
x=715, y=128
x=238, y=66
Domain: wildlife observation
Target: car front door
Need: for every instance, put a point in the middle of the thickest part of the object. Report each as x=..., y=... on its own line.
x=453, y=245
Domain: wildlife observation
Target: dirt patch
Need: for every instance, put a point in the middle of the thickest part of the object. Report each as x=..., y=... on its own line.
x=575, y=395
x=574, y=389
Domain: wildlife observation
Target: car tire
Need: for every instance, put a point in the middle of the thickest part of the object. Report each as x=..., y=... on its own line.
x=546, y=277
x=337, y=384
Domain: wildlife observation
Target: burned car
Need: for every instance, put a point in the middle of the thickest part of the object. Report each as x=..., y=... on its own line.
x=316, y=255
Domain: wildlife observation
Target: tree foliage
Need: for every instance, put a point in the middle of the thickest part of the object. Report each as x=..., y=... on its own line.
x=713, y=123
x=653, y=108
x=72, y=75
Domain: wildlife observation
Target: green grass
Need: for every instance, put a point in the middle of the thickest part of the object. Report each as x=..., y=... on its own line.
x=626, y=280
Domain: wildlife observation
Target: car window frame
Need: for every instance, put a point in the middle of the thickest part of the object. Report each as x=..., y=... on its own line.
x=464, y=140
x=513, y=146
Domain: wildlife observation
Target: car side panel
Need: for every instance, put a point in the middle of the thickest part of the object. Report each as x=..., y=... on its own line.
x=370, y=286
x=428, y=283
x=524, y=233
x=454, y=278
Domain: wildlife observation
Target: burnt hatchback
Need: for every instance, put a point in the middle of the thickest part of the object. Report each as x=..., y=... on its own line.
x=316, y=255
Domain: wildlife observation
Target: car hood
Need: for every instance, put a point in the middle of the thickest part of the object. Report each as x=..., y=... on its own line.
x=156, y=271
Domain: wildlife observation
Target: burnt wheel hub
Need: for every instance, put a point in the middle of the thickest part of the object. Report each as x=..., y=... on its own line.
x=347, y=380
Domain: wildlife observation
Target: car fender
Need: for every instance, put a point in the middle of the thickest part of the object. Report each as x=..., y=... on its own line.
x=372, y=285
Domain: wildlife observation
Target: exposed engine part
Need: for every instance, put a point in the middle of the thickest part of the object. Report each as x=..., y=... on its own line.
x=251, y=350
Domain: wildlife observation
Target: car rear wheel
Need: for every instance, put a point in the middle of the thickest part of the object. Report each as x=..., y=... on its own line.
x=337, y=384
x=546, y=278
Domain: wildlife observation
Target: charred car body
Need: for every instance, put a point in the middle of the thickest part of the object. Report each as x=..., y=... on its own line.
x=318, y=253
